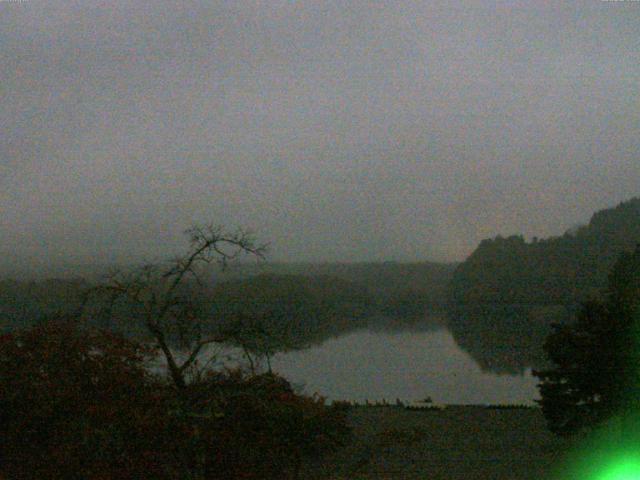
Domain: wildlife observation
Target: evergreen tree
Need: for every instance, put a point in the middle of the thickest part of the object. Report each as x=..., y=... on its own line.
x=596, y=372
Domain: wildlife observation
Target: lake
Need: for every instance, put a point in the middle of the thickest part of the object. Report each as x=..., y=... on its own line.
x=406, y=362
x=409, y=365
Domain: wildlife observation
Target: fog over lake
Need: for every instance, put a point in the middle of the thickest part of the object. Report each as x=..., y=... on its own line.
x=338, y=131
x=406, y=365
x=232, y=229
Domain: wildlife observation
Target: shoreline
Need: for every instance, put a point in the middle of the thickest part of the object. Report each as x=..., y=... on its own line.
x=459, y=442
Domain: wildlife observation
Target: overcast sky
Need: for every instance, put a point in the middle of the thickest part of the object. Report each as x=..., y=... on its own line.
x=343, y=130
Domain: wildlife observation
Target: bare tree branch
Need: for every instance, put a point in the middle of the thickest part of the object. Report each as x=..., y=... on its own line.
x=157, y=292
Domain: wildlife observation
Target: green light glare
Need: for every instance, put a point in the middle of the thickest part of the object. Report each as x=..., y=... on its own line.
x=623, y=469
x=611, y=452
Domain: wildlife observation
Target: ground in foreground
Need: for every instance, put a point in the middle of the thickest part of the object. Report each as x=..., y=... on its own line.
x=460, y=442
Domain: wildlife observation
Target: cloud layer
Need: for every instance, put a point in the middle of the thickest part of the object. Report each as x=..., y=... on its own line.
x=336, y=130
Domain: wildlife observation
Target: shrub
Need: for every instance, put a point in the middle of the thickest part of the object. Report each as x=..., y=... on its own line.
x=258, y=427
x=77, y=404
x=81, y=404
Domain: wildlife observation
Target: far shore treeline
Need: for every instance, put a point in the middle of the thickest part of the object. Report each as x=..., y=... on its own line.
x=504, y=298
x=500, y=302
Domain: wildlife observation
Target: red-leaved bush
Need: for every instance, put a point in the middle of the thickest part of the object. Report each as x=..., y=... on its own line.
x=258, y=428
x=78, y=403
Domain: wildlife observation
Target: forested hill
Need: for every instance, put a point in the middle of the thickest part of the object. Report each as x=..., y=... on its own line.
x=399, y=288
x=328, y=290
x=559, y=270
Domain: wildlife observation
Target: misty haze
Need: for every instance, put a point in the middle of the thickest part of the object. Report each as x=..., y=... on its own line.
x=319, y=239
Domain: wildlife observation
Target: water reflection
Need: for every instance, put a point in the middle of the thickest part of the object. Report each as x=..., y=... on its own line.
x=406, y=364
x=408, y=361
x=505, y=338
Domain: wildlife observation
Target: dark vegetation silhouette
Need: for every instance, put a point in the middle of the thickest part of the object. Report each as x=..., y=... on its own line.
x=78, y=401
x=77, y=404
x=81, y=397
x=507, y=294
x=311, y=302
x=500, y=302
x=394, y=288
x=81, y=403
x=505, y=339
x=556, y=271
x=165, y=301
x=269, y=313
x=596, y=359
x=25, y=303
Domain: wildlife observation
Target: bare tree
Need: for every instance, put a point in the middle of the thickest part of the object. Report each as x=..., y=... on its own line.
x=260, y=335
x=165, y=296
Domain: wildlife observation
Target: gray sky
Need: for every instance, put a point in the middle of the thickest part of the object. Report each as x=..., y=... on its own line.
x=343, y=130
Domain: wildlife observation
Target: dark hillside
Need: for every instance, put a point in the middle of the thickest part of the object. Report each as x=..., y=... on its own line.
x=400, y=289
x=506, y=295
x=559, y=270
x=24, y=303
x=293, y=309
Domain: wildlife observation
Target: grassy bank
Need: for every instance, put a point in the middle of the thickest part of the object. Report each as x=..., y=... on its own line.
x=460, y=442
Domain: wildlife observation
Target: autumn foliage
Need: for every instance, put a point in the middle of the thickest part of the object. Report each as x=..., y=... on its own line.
x=257, y=427
x=79, y=403
x=76, y=404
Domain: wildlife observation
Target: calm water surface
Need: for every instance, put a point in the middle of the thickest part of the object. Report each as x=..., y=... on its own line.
x=407, y=365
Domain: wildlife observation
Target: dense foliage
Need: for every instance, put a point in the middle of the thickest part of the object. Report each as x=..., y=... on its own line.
x=396, y=288
x=77, y=404
x=505, y=338
x=26, y=303
x=348, y=292
x=81, y=404
x=258, y=427
x=556, y=271
x=287, y=306
x=596, y=360
x=268, y=313
x=506, y=295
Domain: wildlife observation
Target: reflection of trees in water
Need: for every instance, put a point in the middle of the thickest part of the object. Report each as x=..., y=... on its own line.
x=379, y=324
x=277, y=313
x=505, y=339
x=271, y=314
x=265, y=313
x=402, y=324
x=270, y=332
